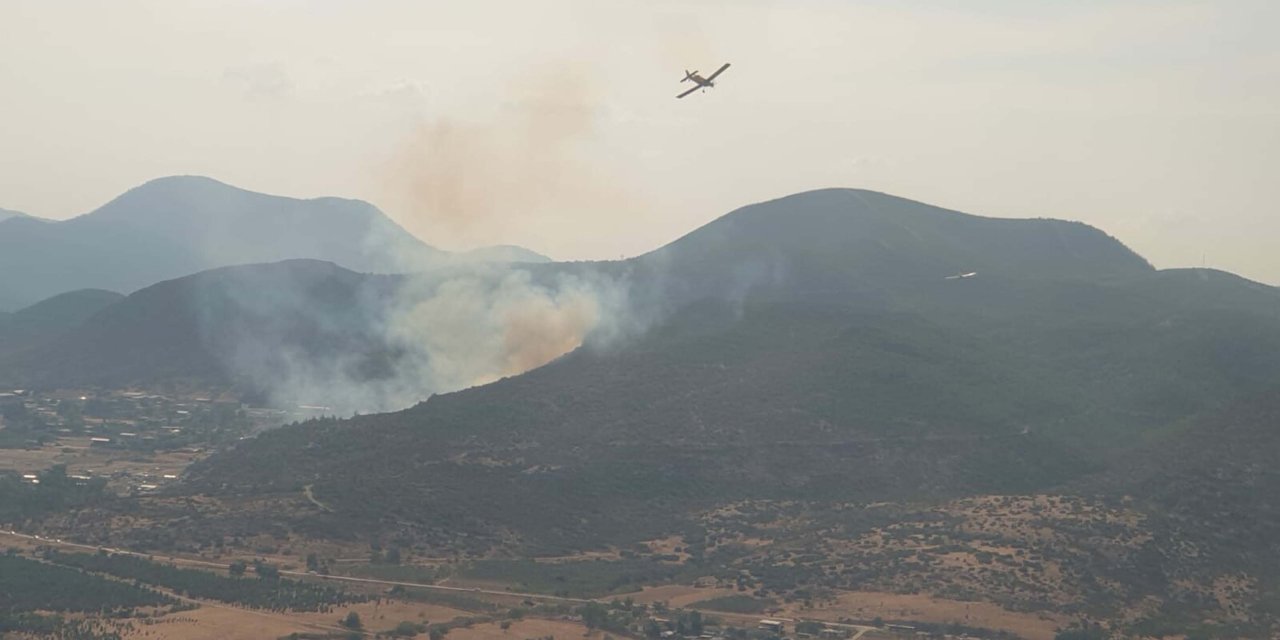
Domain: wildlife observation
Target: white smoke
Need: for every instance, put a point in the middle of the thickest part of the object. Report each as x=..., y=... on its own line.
x=497, y=321
x=458, y=324
x=400, y=339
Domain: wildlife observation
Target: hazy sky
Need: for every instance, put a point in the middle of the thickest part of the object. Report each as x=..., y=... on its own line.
x=554, y=125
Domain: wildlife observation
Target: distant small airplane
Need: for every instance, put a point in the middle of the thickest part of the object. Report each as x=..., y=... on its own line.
x=701, y=82
x=963, y=275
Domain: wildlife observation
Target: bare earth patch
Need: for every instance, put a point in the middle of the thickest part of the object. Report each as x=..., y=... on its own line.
x=213, y=621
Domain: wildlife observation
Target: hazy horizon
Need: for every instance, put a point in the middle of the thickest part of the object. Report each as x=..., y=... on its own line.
x=556, y=127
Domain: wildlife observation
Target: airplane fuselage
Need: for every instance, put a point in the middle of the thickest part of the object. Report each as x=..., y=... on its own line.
x=701, y=82
x=692, y=76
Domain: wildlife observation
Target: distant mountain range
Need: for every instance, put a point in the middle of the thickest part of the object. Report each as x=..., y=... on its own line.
x=834, y=246
x=6, y=214
x=176, y=226
x=180, y=330
x=834, y=294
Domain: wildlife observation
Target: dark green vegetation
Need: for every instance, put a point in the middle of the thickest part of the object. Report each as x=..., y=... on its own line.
x=57, y=627
x=814, y=350
x=804, y=359
x=267, y=591
x=901, y=388
x=32, y=326
x=1214, y=496
x=172, y=227
x=202, y=327
x=29, y=585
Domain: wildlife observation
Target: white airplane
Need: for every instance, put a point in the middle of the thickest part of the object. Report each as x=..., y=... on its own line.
x=701, y=82
x=958, y=276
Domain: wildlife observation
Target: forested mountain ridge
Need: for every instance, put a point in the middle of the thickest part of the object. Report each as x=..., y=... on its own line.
x=32, y=326
x=844, y=247
x=852, y=382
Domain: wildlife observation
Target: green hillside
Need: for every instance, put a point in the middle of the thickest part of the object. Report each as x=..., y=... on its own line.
x=202, y=328
x=810, y=373
x=844, y=383
x=34, y=325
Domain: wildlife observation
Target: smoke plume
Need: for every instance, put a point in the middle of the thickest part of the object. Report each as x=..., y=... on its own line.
x=455, y=323
x=523, y=169
x=497, y=321
x=309, y=333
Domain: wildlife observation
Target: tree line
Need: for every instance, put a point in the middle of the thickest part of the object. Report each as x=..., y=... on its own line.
x=266, y=591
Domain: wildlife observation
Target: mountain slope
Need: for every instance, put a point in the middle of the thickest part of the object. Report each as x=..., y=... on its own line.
x=804, y=376
x=500, y=253
x=1079, y=299
x=223, y=225
x=852, y=247
x=171, y=227
x=49, y=318
x=6, y=214
x=253, y=319
x=795, y=364
x=850, y=238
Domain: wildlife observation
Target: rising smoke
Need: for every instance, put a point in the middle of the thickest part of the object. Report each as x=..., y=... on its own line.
x=468, y=180
x=455, y=324
x=496, y=321
x=314, y=334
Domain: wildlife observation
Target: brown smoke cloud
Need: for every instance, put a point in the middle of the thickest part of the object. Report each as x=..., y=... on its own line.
x=466, y=179
x=478, y=327
x=683, y=42
x=469, y=181
x=542, y=329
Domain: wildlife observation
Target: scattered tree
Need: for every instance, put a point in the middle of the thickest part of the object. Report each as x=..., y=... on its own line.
x=352, y=621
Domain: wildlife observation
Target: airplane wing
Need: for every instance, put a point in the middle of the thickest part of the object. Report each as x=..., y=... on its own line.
x=689, y=91
x=718, y=72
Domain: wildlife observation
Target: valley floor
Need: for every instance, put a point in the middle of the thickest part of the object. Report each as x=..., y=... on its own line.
x=218, y=620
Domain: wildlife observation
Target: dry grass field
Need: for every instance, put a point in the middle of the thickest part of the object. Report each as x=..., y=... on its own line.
x=867, y=605
x=522, y=630
x=212, y=622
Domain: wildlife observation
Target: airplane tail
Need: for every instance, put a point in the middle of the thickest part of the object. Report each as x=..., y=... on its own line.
x=688, y=75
